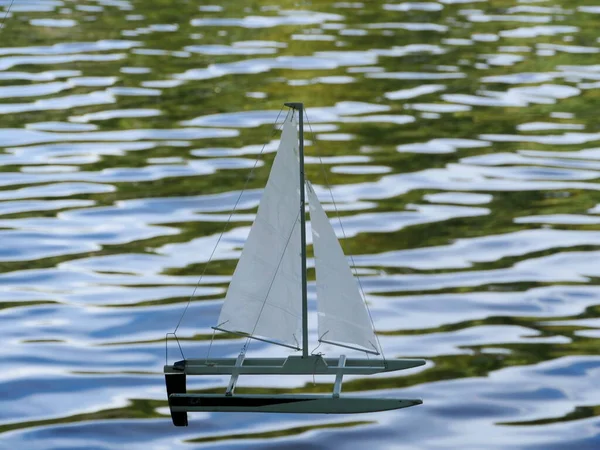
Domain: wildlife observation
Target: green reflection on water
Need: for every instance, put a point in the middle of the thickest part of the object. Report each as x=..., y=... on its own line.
x=136, y=409
x=580, y=412
x=280, y=433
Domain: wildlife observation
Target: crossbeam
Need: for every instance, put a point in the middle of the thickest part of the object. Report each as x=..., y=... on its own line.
x=235, y=374
x=337, y=387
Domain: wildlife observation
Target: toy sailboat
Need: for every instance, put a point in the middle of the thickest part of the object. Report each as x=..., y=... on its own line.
x=267, y=300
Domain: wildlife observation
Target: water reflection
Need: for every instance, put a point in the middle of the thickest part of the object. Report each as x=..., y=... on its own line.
x=459, y=139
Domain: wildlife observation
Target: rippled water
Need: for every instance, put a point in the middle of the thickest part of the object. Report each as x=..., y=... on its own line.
x=460, y=137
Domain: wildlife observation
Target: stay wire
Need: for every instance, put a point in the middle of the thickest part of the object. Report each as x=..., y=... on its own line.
x=344, y=234
x=225, y=226
x=6, y=16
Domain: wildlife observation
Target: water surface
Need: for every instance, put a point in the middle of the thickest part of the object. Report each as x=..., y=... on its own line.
x=459, y=139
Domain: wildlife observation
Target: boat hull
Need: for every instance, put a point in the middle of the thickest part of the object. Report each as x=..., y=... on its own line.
x=292, y=365
x=311, y=404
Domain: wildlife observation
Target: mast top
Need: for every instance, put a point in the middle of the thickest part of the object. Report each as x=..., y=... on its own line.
x=294, y=105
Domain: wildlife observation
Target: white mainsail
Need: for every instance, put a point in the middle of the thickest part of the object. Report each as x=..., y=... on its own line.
x=265, y=294
x=342, y=313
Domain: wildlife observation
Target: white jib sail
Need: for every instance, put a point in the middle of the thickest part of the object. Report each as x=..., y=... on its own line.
x=265, y=294
x=342, y=313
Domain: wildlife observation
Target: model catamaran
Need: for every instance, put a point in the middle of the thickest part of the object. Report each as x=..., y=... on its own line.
x=267, y=300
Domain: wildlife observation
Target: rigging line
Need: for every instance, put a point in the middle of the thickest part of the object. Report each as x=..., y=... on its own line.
x=167, y=347
x=212, y=339
x=5, y=16
x=226, y=225
x=344, y=234
x=317, y=347
x=273, y=280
